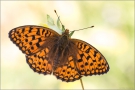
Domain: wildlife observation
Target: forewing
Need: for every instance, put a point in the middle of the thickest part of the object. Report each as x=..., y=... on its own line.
x=68, y=72
x=30, y=38
x=89, y=60
x=39, y=62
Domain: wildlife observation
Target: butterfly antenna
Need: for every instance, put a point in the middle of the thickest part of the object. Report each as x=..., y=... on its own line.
x=58, y=17
x=83, y=28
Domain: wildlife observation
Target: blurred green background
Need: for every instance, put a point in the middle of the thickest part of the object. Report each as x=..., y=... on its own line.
x=113, y=35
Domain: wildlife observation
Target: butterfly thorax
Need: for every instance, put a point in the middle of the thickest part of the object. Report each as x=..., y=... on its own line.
x=64, y=39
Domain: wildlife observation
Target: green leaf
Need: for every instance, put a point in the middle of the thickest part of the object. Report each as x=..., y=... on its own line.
x=58, y=23
x=50, y=20
x=71, y=33
x=51, y=25
x=63, y=28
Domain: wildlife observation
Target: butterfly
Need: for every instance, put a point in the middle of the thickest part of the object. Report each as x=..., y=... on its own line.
x=48, y=52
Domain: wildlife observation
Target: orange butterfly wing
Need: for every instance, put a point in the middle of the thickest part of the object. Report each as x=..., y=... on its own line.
x=67, y=72
x=90, y=60
x=30, y=38
x=39, y=62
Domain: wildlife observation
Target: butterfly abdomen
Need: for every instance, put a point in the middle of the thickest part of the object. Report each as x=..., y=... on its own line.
x=60, y=50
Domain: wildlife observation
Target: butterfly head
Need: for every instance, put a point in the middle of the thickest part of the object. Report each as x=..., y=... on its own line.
x=66, y=33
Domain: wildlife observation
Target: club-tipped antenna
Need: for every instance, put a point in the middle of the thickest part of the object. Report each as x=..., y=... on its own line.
x=73, y=30
x=83, y=28
x=58, y=17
